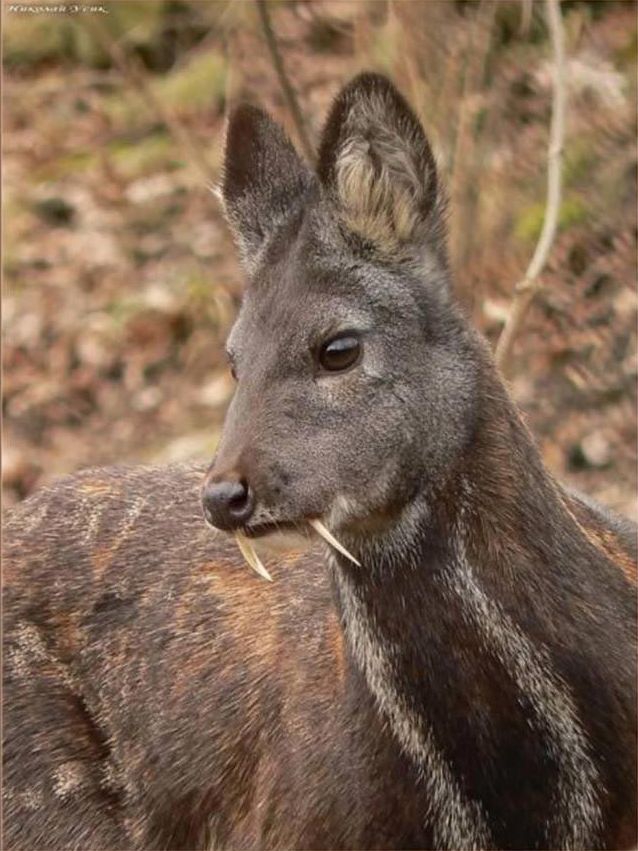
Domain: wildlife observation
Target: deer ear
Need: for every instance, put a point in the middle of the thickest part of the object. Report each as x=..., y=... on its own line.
x=263, y=178
x=377, y=164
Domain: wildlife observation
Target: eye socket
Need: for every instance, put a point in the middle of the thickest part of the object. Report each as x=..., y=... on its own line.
x=340, y=353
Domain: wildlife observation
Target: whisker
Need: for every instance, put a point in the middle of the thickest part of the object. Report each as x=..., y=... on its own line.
x=302, y=529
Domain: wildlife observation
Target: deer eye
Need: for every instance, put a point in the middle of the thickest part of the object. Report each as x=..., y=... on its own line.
x=340, y=353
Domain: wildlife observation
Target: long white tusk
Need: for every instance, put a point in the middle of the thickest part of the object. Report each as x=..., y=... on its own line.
x=318, y=526
x=248, y=552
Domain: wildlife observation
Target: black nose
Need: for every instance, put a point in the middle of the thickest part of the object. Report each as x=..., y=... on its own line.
x=227, y=505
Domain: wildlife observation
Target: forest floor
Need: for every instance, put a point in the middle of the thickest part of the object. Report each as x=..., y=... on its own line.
x=121, y=280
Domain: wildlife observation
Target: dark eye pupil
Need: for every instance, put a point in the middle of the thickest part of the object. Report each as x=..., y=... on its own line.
x=340, y=353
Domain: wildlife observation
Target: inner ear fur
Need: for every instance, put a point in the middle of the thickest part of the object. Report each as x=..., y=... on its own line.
x=377, y=164
x=262, y=179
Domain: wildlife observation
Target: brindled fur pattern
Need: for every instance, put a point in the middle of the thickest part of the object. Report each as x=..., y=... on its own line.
x=471, y=684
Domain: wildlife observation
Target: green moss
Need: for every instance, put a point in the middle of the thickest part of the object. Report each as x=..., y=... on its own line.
x=195, y=86
x=28, y=39
x=530, y=223
x=123, y=110
x=75, y=162
x=140, y=21
x=143, y=156
x=573, y=211
x=385, y=48
x=143, y=27
x=88, y=50
x=528, y=228
x=578, y=161
x=198, y=288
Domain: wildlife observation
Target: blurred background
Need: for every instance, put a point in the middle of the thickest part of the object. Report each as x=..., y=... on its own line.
x=120, y=278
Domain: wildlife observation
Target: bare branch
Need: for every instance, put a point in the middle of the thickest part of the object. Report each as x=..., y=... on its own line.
x=530, y=284
x=464, y=163
x=527, y=7
x=286, y=87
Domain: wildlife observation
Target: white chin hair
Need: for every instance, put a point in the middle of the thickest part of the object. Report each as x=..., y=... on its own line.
x=282, y=543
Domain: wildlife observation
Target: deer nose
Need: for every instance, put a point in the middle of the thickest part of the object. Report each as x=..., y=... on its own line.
x=227, y=504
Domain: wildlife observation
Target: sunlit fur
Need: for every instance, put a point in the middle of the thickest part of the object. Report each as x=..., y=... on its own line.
x=381, y=195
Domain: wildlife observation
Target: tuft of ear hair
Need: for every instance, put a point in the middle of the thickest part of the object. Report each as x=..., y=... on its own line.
x=262, y=179
x=377, y=164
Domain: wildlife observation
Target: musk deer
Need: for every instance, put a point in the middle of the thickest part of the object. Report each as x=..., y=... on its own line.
x=454, y=667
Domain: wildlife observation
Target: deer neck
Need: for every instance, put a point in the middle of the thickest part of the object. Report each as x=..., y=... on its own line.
x=435, y=620
x=498, y=508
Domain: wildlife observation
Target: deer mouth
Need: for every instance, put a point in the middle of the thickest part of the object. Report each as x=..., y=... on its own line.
x=249, y=532
x=270, y=527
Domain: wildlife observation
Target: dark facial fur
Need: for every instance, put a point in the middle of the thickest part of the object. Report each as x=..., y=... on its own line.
x=472, y=684
x=358, y=248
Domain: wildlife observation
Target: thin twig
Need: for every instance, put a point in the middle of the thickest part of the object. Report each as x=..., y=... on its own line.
x=464, y=164
x=133, y=71
x=286, y=87
x=527, y=8
x=530, y=284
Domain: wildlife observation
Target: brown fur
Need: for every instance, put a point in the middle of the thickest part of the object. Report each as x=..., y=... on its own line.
x=231, y=707
x=470, y=683
x=218, y=624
